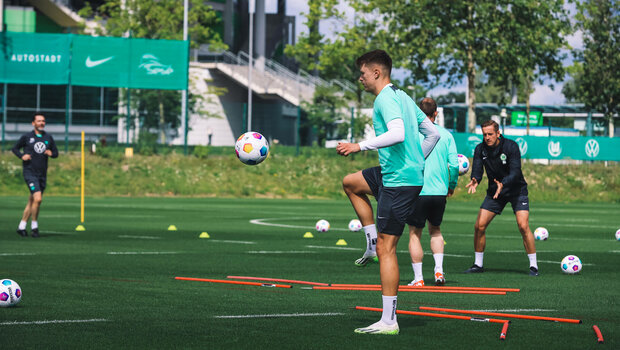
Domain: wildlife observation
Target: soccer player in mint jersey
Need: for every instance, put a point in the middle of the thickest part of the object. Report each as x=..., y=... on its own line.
x=502, y=160
x=34, y=148
x=397, y=122
x=441, y=172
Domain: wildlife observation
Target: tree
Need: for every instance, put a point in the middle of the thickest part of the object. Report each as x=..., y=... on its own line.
x=595, y=73
x=324, y=112
x=157, y=19
x=446, y=42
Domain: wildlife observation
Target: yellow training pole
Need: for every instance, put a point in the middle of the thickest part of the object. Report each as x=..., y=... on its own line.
x=82, y=190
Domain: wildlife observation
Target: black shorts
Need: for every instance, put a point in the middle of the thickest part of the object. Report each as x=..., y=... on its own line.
x=35, y=183
x=374, y=179
x=395, y=208
x=429, y=208
x=518, y=202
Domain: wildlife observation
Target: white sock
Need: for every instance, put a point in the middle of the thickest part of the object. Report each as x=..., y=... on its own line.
x=438, y=262
x=533, y=262
x=22, y=225
x=417, y=271
x=479, y=258
x=34, y=225
x=371, y=239
x=389, y=310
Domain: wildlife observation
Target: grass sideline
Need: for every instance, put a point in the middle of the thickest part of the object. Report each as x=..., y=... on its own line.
x=117, y=277
x=317, y=173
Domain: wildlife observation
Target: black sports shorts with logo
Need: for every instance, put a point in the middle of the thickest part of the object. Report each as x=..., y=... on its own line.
x=518, y=202
x=429, y=208
x=34, y=182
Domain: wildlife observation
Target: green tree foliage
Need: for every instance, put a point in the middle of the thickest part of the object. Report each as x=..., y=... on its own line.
x=157, y=19
x=326, y=111
x=448, y=41
x=596, y=72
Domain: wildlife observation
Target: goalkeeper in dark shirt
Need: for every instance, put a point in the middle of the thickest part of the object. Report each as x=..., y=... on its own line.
x=33, y=149
x=502, y=160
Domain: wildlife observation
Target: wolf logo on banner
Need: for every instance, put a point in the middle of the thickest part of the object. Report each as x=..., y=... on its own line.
x=555, y=149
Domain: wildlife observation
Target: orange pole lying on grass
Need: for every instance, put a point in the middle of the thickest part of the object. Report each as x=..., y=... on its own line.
x=233, y=282
x=502, y=335
x=429, y=314
x=527, y=317
x=277, y=280
x=417, y=289
x=598, y=333
x=432, y=287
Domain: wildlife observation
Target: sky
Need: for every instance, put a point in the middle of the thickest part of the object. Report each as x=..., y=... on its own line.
x=543, y=94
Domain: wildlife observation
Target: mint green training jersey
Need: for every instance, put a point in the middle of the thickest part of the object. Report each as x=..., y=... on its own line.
x=402, y=164
x=442, y=168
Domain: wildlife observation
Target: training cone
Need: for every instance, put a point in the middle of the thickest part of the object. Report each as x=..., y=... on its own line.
x=308, y=235
x=172, y=228
x=80, y=228
x=341, y=242
x=204, y=235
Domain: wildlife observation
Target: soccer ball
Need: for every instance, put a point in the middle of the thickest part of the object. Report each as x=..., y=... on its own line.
x=541, y=234
x=571, y=264
x=322, y=226
x=355, y=225
x=463, y=164
x=618, y=235
x=10, y=293
x=252, y=148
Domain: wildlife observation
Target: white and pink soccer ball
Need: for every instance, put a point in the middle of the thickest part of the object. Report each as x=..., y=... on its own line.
x=463, y=164
x=618, y=235
x=355, y=225
x=252, y=148
x=10, y=293
x=541, y=234
x=322, y=225
x=571, y=264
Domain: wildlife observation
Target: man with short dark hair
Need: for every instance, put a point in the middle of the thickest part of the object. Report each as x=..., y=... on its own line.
x=397, y=121
x=34, y=148
x=501, y=158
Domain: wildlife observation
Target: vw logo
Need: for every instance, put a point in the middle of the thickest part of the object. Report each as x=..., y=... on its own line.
x=592, y=148
x=39, y=147
x=555, y=149
x=522, y=145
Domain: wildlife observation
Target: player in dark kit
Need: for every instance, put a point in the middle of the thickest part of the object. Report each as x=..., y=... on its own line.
x=33, y=149
x=502, y=160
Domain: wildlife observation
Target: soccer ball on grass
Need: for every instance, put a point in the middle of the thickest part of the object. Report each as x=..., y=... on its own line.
x=463, y=164
x=322, y=226
x=355, y=225
x=618, y=235
x=10, y=293
x=541, y=234
x=571, y=264
x=252, y=148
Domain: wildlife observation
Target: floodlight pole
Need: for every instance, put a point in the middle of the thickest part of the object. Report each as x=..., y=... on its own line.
x=184, y=118
x=251, y=10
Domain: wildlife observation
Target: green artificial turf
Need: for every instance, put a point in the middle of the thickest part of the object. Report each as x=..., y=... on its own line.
x=117, y=277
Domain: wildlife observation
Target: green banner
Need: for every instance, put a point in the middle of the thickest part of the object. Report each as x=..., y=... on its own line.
x=554, y=147
x=132, y=63
x=519, y=118
x=34, y=58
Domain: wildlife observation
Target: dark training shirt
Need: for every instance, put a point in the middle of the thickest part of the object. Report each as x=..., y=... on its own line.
x=502, y=163
x=35, y=145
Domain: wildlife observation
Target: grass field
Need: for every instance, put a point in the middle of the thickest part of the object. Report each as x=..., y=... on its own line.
x=112, y=286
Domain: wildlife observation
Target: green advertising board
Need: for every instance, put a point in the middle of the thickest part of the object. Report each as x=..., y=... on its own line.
x=555, y=147
x=35, y=58
x=519, y=118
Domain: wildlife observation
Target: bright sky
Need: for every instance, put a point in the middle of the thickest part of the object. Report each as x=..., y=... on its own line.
x=543, y=94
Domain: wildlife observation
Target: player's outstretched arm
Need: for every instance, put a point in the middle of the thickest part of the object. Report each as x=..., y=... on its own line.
x=345, y=148
x=395, y=134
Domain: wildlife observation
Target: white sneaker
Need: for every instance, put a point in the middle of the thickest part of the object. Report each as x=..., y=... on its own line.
x=415, y=283
x=380, y=328
x=366, y=259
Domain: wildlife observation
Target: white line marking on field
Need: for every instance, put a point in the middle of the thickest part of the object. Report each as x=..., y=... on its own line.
x=229, y=241
x=139, y=237
x=518, y=310
x=140, y=253
x=281, y=252
x=261, y=222
x=16, y=254
x=282, y=315
x=14, y=323
x=615, y=251
x=558, y=262
x=338, y=248
x=523, y=251
x=518, y=236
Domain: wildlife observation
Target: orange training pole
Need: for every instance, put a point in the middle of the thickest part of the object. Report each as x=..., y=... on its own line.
x=233, y=282
x=502, y=335
x=431, y=287
x=277, y=280
x=417, y=289
x=429, y=314
x=598, y=333
x=527, y=317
